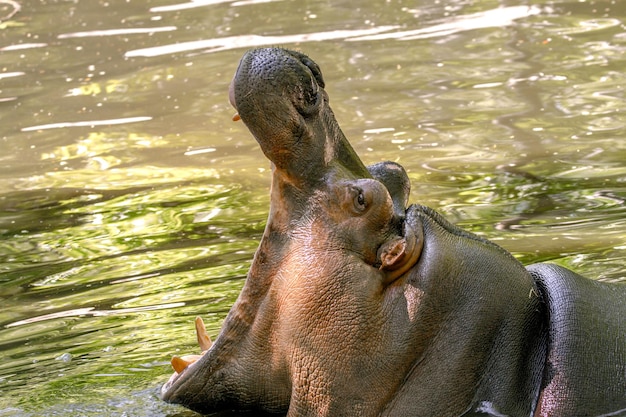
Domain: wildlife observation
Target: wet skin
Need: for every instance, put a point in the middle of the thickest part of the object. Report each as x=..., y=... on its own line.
x=357, y=305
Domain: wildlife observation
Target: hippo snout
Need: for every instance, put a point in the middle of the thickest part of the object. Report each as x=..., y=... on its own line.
x=279, y=95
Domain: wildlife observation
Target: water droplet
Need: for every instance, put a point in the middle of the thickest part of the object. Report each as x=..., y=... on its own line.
x=66, y=357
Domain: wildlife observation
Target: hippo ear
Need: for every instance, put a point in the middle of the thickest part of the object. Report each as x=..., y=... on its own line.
x=392, y=253
x=399, y=254
x=394, y=177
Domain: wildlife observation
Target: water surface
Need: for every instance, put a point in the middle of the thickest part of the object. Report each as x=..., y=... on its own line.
x=130, y=202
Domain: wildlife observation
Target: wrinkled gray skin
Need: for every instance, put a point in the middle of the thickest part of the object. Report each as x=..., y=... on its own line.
x=357, y=306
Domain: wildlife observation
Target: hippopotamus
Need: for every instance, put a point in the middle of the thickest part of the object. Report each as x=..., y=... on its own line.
x=359, y=304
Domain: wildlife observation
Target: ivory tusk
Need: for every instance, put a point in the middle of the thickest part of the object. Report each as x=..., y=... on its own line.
x=179, y=363
x=203, y=337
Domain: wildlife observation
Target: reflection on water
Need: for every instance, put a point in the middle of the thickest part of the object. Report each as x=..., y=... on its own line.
x=130, y=203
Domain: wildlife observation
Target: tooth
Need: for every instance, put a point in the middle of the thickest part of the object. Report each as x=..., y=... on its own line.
x=179, y=363
x=203, y=338
x=236, y=117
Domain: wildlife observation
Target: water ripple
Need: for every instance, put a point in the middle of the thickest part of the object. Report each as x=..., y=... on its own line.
x=88, y=123
x=250, y=41
x=115, y=32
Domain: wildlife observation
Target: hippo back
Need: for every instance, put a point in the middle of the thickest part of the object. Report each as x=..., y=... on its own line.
x=585, y=371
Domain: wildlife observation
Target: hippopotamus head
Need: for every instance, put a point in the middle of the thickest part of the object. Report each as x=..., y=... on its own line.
x=344, y=308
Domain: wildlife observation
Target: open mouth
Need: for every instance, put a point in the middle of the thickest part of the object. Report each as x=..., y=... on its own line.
x=182, y=363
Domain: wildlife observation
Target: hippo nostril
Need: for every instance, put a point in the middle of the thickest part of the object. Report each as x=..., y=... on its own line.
x=315, y=70
x=315, y=90
x=310, y=100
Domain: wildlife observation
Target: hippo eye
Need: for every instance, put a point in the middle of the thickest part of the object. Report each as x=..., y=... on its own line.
x=354, y=200
x=359, y=200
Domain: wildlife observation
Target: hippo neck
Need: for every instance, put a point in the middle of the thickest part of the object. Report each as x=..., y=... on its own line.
x=462, y=376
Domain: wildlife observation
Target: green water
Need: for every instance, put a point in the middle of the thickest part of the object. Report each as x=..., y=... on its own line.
x=130, y=202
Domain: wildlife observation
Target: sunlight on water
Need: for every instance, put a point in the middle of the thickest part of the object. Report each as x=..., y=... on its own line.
x=131, y=203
